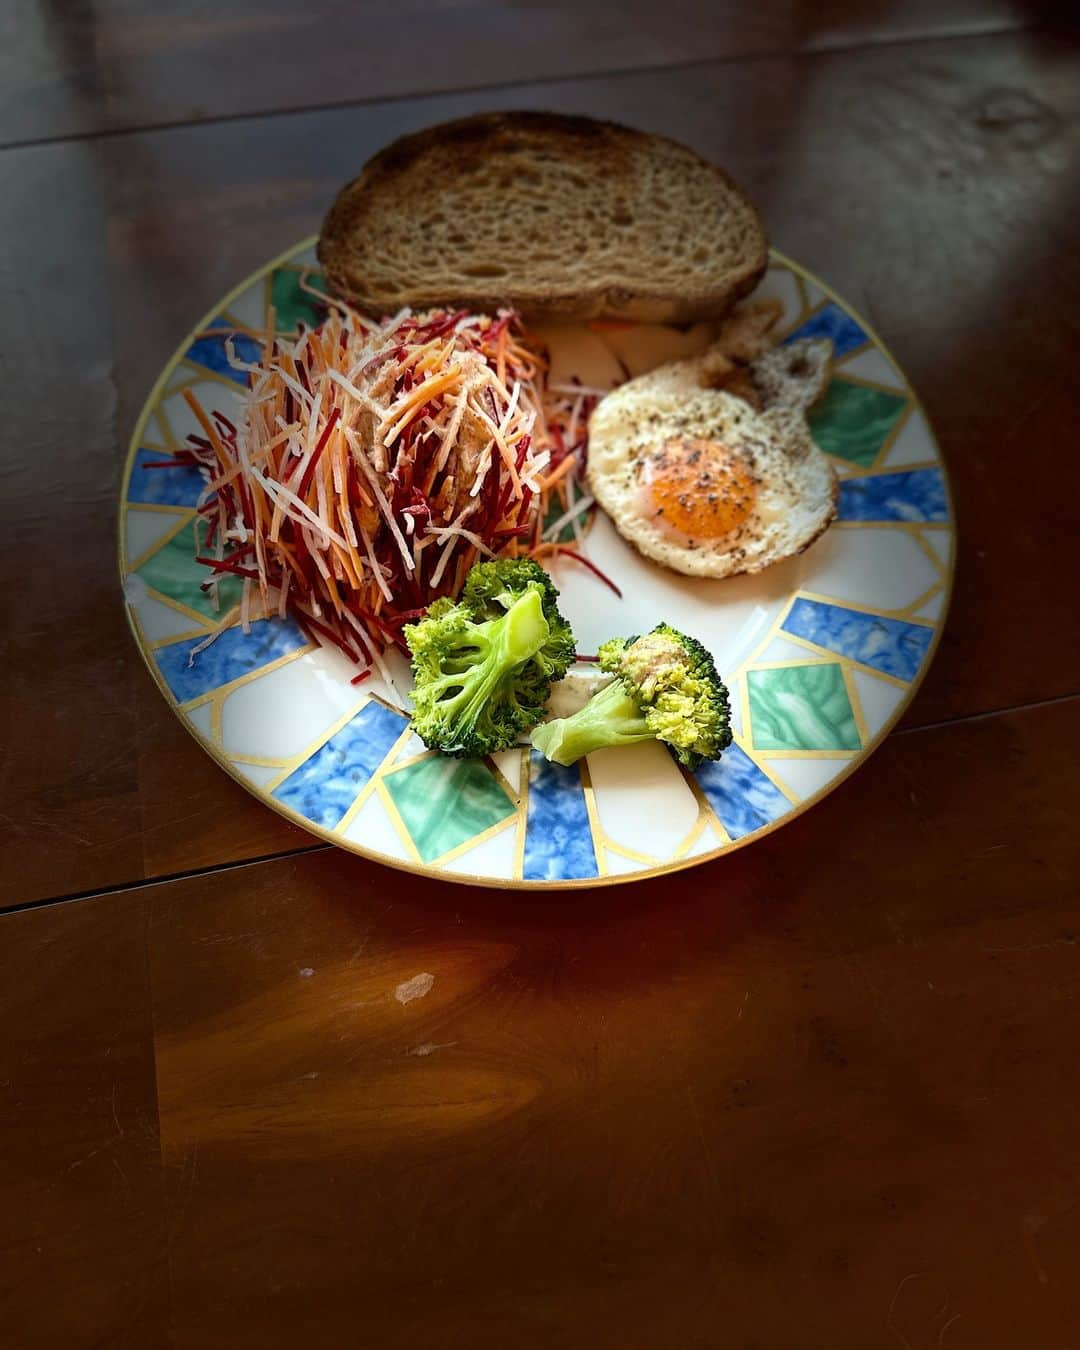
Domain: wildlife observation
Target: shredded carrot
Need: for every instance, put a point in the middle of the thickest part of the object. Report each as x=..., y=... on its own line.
x=207, y=426
x=268, y=338
x=422, y=393
x=557, y=475
x=347, y=465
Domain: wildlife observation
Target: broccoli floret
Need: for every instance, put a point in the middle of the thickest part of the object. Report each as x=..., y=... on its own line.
x=492, y=587
x=483, y=664
x=666, y=688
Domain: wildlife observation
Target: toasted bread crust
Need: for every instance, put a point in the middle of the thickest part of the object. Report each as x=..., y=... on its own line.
x=508, y=162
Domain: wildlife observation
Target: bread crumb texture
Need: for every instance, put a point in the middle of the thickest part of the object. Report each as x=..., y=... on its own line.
x=545, y=213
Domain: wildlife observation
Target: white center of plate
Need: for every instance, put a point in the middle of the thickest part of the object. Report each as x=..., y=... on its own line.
x=731, y=616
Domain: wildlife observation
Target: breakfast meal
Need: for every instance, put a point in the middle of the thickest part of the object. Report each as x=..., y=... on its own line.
x=401, y=471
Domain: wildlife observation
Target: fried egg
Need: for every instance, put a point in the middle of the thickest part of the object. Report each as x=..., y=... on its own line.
x=704, y=482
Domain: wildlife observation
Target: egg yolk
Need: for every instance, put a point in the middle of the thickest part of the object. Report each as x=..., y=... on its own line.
x=698, y=487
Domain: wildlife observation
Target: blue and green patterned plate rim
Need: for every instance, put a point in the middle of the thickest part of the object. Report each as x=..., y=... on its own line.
x=833, y=662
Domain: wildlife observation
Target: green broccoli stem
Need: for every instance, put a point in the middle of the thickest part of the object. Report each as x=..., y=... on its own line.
x=524, y=630
x=516, y=638
x=611, y=717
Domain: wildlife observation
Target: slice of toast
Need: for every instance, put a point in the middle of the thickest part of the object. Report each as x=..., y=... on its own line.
x=545, y=213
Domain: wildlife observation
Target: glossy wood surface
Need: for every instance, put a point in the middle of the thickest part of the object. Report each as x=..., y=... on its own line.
x=117, y=64
x=819, y=1093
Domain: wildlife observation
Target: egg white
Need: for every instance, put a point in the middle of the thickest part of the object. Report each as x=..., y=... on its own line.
x=796, y=491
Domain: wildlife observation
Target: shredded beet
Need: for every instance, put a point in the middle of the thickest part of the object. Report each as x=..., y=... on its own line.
x=579, y=557
x=227, y=565
x=347, y=506
x=320, y=446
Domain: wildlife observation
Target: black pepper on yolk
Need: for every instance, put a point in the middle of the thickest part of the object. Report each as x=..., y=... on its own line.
x=700, y=488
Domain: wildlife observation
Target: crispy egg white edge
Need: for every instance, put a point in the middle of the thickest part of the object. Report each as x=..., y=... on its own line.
x=619, y=431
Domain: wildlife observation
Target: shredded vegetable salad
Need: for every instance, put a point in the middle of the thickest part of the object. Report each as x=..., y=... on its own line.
x=373, y=462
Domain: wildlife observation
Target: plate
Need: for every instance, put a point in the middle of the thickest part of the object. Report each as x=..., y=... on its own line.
x=821, y=653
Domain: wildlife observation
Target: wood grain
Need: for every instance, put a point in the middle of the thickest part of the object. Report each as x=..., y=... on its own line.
x=74, y=71
x=82, y=1226
x=813, y=1094
x=69, y=796
x=191, y=810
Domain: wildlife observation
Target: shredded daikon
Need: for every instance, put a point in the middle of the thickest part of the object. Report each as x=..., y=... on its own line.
x=361, y=443
x=582, y=505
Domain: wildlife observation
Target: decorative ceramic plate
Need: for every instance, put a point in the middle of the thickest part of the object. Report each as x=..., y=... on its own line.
x=821, y=653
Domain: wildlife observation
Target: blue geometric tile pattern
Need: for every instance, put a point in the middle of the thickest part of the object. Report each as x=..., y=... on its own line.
x=889, y=645
x=918, y=495
x=325, y=786
x=835, y=323
x=228, y=657
x=558, y=843
x=739, y=792
x=163, y=487
x=210, y=351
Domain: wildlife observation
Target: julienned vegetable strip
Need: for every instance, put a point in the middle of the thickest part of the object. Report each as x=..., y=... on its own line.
x=374, y=462
x=565, y=551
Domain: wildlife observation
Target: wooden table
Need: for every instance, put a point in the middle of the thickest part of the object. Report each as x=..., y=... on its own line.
x=823, y=1092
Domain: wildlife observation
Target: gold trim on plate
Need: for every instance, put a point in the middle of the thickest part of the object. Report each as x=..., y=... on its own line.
x=706, y=816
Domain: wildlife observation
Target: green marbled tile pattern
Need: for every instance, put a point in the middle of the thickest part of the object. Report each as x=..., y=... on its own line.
x=852, y=421
x=292, y=303
x=173, y=571
x=444, y=802
x=801, y=708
